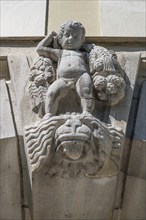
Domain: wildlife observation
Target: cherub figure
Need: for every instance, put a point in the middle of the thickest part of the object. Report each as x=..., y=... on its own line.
x=72, y=71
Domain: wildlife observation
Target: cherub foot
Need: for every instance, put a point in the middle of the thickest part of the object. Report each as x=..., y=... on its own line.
x=47, y=116
x=86, y=113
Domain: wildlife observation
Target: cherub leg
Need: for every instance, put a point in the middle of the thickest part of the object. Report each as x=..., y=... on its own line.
x=84, y=89
x=56, y=91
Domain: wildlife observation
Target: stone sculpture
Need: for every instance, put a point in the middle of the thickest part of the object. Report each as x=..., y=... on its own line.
x=107, y=75
x=42, y=74
x=71, y=70
x=73, y=143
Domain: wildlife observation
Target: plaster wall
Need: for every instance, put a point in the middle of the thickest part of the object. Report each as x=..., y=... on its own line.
x=84, y=11
x=23, y=18
x=100, y=18
x=123, y=18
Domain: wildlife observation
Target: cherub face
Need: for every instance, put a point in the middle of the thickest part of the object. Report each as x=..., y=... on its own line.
x=72, y=38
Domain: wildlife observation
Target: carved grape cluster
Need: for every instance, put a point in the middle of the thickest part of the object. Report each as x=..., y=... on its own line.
x=107, y=75
x=110, y=89
x=42, y=72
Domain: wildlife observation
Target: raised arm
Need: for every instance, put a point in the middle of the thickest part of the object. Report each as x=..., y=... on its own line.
x=44, y=48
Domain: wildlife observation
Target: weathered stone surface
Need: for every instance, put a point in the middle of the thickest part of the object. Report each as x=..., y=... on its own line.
x=10, y=189
x=117, y=214
x=140, y=127
x=19, y=70
x=25, y=183
x=134, y=199
x=137, y=165
x=134, y=155
x=73, y=144
x=10, y=201
x=126, y=154
x=19, y=73
x=119, y=114
x=119, y=190
x=73, y=198
x=68, y=167
x=74, y=74
x=4, y=72
x=6, y=126
x=137, y=160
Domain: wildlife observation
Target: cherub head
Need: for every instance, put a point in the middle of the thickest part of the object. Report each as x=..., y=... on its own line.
x=71, y=35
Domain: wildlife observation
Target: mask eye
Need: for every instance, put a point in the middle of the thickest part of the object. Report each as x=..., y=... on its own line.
x=67, y=34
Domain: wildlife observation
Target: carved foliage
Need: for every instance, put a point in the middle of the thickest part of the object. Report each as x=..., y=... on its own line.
x=107, y=75
x=41, y=76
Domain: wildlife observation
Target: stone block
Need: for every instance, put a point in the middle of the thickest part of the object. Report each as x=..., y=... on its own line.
x=10, y=189
x=132, y=119
x=25, y=173
x=126, y=154
x=137, y=165
x=140, y=127
x=10, y=201
x=134, y=199
x=119, y=114
x=9, y=160
x=19, y=74
x=137, y=161
x=73, y=198
x=6, y=126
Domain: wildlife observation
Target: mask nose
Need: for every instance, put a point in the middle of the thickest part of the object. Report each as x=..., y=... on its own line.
x=70, y=37
x=73, y=124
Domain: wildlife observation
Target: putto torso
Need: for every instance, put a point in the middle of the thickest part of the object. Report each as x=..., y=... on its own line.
x=71, y=64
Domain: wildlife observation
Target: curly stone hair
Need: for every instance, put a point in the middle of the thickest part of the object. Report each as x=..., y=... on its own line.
x=71, y=24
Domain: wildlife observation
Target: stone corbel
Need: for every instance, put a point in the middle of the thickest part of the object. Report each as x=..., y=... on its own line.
x=74, y=155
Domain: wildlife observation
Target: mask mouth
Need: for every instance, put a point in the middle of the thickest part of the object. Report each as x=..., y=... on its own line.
x=70, y=45
x=70, y=41
x=73, y=150
x=72, y=137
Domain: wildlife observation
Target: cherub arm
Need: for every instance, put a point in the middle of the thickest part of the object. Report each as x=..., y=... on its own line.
x=44, y=49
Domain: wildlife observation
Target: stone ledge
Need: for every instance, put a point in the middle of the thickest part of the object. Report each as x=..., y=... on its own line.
x=94, y=39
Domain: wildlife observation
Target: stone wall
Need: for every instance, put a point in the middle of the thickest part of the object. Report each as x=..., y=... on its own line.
x=126, y=18
x=15, y=192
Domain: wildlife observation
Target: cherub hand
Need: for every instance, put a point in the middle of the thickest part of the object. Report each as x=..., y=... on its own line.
x=52, y=38
x=49, y=39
